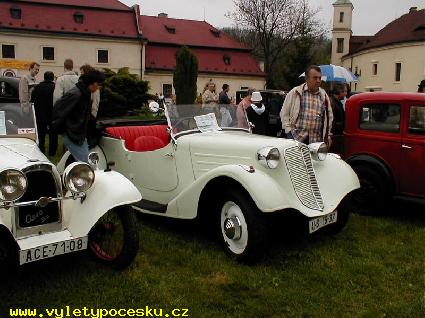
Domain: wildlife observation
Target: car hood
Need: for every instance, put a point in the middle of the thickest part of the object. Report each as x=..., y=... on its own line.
x=18, y=152
x=210, y=150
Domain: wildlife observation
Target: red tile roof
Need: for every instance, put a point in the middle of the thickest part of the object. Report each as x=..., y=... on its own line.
x=209, y=60
x=408, y=28
x=187, y=32
x=106, y=4
x=60, y=19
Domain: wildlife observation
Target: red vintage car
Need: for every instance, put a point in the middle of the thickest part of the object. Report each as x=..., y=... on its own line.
x=384, y=142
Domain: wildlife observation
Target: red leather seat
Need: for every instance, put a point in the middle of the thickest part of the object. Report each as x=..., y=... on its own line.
x=131, y=133
x=147, y=143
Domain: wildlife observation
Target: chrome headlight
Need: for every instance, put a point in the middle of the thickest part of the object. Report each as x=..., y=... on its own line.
x=78, y=177
x=318, y=150
x=13, y=184
x=269, y=157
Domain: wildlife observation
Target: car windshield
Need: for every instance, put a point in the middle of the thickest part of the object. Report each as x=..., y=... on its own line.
x=209, y=118
x=17, y=121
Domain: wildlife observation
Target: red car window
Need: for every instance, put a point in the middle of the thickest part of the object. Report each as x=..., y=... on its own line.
x=380, y=117
x=417, y=120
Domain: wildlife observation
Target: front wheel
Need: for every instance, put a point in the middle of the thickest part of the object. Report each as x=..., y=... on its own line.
x=114, y=239
x=242, y=227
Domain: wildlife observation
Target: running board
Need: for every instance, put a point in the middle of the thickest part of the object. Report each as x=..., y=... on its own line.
x=151, y=206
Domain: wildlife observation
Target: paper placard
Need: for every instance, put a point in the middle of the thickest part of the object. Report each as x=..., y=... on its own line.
x=207, y=123
x=22, y=131
x=2, y=123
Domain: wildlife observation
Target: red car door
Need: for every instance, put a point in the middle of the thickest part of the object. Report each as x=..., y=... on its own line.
x=412, y=176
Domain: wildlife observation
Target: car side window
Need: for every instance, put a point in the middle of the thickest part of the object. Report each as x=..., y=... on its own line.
x=417, y=120
x=380, y=117
x=7, y=90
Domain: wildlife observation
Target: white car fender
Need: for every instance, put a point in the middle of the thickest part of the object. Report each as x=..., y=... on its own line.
x=268, y=193
x=110, y=189
x=267, y=201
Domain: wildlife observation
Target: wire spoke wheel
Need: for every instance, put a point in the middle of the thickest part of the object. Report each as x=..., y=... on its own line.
x=114, y=239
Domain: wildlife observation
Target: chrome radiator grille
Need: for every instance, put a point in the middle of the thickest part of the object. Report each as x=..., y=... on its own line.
x=300, y=167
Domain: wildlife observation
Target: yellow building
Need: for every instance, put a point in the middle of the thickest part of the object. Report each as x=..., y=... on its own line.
x=391, y=60
x=107, y=33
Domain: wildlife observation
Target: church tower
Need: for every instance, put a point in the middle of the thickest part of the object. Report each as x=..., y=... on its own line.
x=341, y=31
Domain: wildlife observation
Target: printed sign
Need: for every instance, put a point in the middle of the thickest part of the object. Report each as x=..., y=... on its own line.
x=2, y=123
x=207, y=123
x=26, y=131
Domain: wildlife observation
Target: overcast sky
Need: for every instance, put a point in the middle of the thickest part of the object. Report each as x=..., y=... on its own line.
x=368, y=18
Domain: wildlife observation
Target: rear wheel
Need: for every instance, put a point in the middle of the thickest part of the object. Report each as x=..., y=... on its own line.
x=114, y=239
x=242, y=227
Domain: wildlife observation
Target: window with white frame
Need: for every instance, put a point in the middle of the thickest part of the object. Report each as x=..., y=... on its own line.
x=167, y=90
x=397, y=72
x=47, y=53
x=8, y=51
x=102, y=56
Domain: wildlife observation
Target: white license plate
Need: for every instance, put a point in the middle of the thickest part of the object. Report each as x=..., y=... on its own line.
x=52, y=249
x=322, y=221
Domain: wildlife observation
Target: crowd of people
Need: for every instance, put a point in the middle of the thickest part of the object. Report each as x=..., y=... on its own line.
x=67, y=106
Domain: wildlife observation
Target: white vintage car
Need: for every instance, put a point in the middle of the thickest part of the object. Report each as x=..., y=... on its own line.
x=206, y=163
x=41, y=217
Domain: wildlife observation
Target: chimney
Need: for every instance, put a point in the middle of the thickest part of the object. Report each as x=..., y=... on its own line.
x=413, y=9
x=163, y=15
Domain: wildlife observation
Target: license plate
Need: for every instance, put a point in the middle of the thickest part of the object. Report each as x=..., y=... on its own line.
x=322, y=221
x=52, y=249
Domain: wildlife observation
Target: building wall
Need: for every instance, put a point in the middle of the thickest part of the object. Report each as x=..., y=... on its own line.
x=236, y=82
x=412, y=59
x=28, y=47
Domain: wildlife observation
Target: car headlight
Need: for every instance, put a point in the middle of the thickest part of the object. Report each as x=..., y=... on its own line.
x=269, y=157
x=318, y=150
x=13, y=184
x=78, y=177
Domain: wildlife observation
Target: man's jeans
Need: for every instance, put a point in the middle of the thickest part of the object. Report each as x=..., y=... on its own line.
x=80, y=153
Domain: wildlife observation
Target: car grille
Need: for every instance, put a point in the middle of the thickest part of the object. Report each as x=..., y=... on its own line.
x=303, y=177
x=40, y=184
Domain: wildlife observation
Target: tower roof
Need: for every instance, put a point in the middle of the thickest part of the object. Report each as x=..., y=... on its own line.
x=342, y=2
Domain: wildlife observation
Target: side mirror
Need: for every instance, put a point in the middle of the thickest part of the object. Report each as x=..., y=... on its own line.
x=154, y=107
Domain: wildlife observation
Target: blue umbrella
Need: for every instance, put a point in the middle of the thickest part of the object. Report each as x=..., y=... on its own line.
x=334, y=73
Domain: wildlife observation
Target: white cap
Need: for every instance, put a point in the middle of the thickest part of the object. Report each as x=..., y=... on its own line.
x=256, y=97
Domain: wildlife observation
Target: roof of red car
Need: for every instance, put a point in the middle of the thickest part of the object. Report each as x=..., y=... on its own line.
x=209, y=60
x=390, y=96
x=187, y=32
x=407, y=28
x=49, y=18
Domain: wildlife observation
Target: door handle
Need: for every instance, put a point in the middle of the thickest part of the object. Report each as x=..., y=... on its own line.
x=169, y=155
x=406, y=147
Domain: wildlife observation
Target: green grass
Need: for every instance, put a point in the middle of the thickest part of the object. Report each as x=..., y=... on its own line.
x=374, y=268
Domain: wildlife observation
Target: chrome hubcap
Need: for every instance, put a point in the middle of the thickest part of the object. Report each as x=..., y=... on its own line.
x=232, y=228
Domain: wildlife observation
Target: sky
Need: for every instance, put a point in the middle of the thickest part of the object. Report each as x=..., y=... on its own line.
x=369, y=16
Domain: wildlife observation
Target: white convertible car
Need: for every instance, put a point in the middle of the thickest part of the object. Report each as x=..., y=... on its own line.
x=208, y=164
x=44, y=214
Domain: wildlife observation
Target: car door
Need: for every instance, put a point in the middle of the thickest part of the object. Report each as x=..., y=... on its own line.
x=379, y=133
x=412, y=176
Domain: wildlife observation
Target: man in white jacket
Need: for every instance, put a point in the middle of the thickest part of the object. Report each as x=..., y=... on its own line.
x=307, y=113
x=66, y=81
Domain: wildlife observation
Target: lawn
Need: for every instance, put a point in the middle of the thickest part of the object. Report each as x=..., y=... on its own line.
x=374, y=268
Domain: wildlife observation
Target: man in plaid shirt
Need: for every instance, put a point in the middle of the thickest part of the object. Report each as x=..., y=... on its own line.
x=307, y=113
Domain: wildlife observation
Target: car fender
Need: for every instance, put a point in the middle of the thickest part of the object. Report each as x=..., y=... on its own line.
x=110, y=189
x=280, y=195
x=374, y=162
x=254, y=183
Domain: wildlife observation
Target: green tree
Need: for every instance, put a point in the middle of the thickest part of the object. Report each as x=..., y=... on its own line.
x=122, y=92
x=185, y=76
